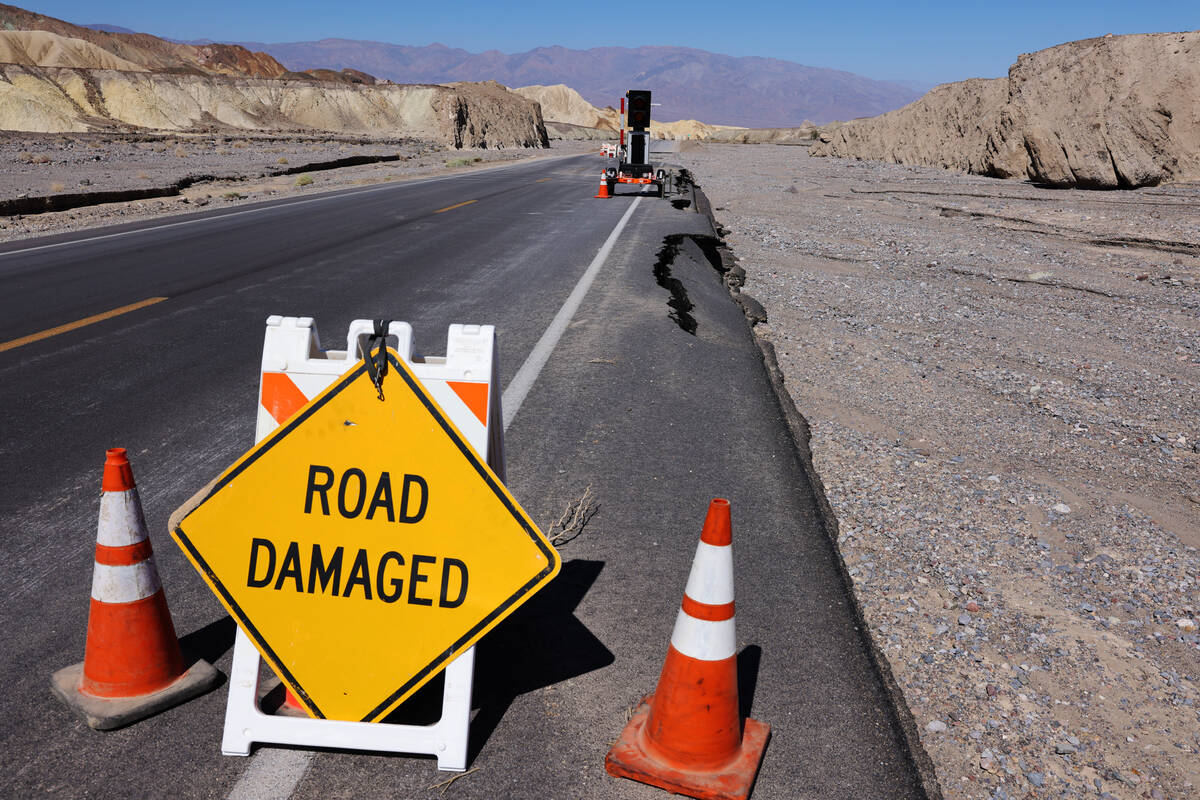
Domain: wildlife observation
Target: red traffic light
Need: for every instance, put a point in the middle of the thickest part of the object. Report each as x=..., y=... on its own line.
x=639, y=109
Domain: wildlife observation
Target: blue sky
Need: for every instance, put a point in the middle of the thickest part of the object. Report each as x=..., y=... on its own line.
x=929, y=42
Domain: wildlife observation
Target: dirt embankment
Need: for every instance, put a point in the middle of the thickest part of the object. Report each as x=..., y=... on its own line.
x=949, y=127
x=488, y=115
x=803, y=135
x=1112, y=112
x=566, y=132
x=60, y=99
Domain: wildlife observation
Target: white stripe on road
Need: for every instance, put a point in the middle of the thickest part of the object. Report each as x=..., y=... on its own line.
x=272, y=775
x=275, y=773
x=523, y=381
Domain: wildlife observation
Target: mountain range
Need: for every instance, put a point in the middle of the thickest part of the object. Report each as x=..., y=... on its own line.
x=688, y=83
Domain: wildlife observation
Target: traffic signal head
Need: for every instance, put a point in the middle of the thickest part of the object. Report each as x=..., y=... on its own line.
x=639, y=109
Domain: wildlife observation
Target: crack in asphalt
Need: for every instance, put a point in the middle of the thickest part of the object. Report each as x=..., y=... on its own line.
x=680, y=304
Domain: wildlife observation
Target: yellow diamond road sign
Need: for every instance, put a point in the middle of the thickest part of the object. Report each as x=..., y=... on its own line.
x=364, y=544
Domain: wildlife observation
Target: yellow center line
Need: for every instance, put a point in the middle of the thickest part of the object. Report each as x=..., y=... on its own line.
x=79, y=323
x=542, y=180
x=456, y=205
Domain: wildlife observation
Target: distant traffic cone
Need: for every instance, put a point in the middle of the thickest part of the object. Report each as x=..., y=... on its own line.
x=291, y=705
x=132, y=665
x=688, y=736
x=277, y=699
x=603, y=193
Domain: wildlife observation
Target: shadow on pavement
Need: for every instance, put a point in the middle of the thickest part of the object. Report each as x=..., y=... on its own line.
x=208, y=643
x=747, y=677
x=541, y=644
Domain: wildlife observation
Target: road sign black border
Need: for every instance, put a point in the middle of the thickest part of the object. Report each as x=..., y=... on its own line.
x=278, y=434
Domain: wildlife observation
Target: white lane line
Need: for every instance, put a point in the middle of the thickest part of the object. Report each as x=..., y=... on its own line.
x=274, y=773
x=523, y=381
x=273, y=207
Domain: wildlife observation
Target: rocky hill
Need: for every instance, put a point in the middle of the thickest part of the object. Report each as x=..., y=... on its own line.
x=58, y=77
x=562, y=104
x=1111, y=112
x=150, y=52
x=40, y=48
x=58, y=99
x=690, y=83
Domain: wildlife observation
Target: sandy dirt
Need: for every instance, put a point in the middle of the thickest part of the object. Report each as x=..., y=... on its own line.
x=1003, y=385
x=227, y=170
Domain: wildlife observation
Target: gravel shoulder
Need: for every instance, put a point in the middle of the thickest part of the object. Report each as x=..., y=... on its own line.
x=1002, y=387
x=212, y=170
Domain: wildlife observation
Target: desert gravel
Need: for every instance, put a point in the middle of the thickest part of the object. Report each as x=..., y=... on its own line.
x=1001, y=382
x=222, y=170
x=1002, y=385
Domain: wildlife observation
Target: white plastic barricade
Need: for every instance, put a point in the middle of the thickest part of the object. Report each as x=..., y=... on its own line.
x=465, y=385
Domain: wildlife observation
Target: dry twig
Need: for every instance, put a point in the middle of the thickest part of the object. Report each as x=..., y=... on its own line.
x=444, y=785
x=574, y=517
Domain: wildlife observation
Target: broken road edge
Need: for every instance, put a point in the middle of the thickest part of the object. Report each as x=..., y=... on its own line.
x=733, y=276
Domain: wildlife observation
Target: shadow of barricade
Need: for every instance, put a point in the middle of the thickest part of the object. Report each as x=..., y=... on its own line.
x=541, y=644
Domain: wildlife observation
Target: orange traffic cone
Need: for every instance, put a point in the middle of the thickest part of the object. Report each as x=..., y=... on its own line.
x=132, y=665
x=291, y=705
x=688, y=737
x=277, y=699
x=603, y=193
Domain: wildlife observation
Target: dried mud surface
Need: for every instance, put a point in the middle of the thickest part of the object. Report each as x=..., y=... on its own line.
x=1002, y=385
x=222, y=171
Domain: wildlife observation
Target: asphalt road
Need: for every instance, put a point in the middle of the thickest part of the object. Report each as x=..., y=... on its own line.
x=656, y=420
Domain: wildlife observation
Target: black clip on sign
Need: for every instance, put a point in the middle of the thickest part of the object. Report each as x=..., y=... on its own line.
x=375, y=354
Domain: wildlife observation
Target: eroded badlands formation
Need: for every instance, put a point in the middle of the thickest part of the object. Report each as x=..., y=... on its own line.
x=1112, y=112
x=56, y=77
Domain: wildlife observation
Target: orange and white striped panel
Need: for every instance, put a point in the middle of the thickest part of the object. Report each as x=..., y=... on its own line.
x=282, y=394
x=466, y=403
x=295, y=370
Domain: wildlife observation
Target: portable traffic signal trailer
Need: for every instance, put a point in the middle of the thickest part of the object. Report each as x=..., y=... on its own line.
x=634, y=166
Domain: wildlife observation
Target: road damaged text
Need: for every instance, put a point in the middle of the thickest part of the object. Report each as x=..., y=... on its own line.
x=370, y=577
